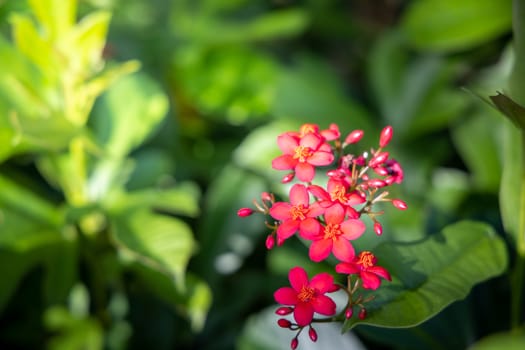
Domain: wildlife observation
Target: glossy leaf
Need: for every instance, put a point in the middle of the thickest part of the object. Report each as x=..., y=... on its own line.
x=128, y=113
x=512, y=188
x=448, y=25
x=429, y=275
x=158, y=241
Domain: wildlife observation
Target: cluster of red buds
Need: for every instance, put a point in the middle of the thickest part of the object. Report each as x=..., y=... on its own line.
x=330, y=218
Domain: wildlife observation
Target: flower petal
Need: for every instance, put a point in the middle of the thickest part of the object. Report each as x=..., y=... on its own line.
x=303, y=314
x=284, y=162
x=352, y=229
x=319, y=192
x=309, y=228
x=311, y=140
x=343, y=249
x=323, y=305
x=319, y=250
x=346, y=267
x=285, y=296
x=287, y=143
x=315, y=210
x=380, y=271
x=299, y=195
x=287, y=228
x=370, y=280
x=298, y=278
x=281, y=211
x=321, y=158
x=323, y=282
x=305, y=172
x=334, y=214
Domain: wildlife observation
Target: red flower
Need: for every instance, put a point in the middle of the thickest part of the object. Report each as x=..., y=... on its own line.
x=307, y=296
x=296, y=215
x=336, y=192
x=364, y=265
x=303, y=154
x=336, y=235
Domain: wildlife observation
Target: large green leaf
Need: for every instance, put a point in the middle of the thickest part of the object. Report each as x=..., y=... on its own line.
x=128, y=113
x=429, y=275
x=512, y=188
x=497, y=341
x=158, y=241
x=448, y=25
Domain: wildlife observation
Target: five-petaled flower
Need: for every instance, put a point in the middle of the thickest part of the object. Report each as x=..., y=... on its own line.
x=297, y=215
x=336, y=235
x=307, y=296
x=303, y=153
x=364, y=265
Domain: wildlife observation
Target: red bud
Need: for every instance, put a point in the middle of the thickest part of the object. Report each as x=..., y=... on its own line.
x=362, y=314
x=243, y=212
x=386, y=136
x=376, y=183
x=378, y=228
x=349, y=313
x=294, y=343
x=270, y=242
x=354, y=137
x=313, y=334
x=284, y=310
x=399, y=204
x=287, y=178
x=284, y=323
x=378, y=159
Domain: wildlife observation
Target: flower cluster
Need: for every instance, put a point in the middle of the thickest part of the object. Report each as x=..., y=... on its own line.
x=329, y=217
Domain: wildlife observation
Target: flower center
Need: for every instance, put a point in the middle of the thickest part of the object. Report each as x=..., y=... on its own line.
x=306, y=294
x=302, y=153
x=339, y=194
x=308, y=129
x=366, y=259
x=298, y=212
x=331, y=231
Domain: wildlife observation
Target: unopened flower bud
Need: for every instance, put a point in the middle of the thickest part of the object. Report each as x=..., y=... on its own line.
x=379, y=170
x=354, y=137
x=267, y=197
x=376, y=183
x=378, y=228
x=399, y=204
x=270, y=242
x=386, y=136
x=349, y=313
x=313, y=334
x=362, y=314
x=284, y=323
x=294, y=343
x=287, y=178
x=378, y=159
x=284, y=310
x=243, y=212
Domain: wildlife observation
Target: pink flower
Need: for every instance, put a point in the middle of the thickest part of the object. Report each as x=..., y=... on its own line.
x=336, y=235
x=296, y=215
x=365, y=266
x=303, y=154
x=336, y=192
x=395, y=172
x=307, y=296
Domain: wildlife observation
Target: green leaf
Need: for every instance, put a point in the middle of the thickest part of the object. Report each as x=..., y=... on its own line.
x=194, y=302
x=512, y=187
x=449, y=25
x=128, y=113
x=511, y=109
x=477, y=140
x=158, y=241
x=312, y=92
x=56, y=16
x=429, y=275
x=497, y=341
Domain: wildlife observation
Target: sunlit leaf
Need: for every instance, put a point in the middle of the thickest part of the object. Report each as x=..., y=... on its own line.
x=128, y=113
x=429, y=275
x=496, y=341
x=158, y=241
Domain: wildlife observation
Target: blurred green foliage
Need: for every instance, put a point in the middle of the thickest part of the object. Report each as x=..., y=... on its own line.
x=131, y=131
